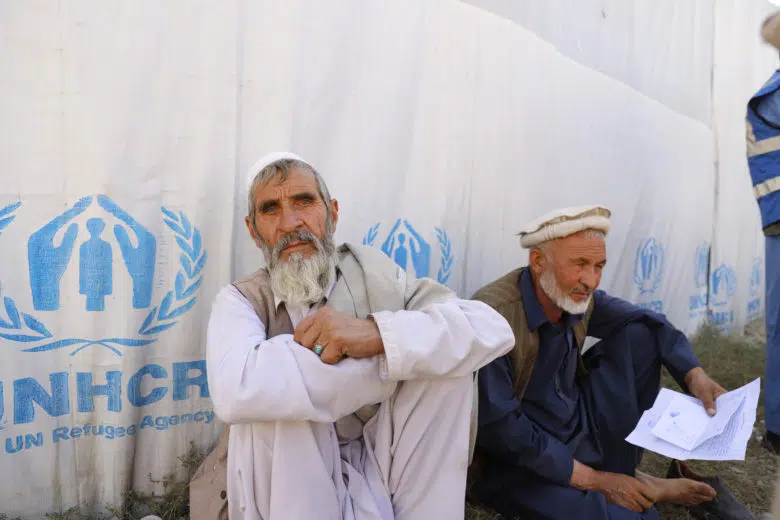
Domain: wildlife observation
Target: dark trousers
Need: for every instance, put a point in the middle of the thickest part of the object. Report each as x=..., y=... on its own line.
x=772, y=380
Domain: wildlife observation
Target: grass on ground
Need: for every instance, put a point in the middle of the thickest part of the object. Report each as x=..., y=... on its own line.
x=171, y=504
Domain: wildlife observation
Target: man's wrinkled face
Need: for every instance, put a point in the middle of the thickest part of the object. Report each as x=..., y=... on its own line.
x=291, y=217
x=569, y=269
x=293, y=228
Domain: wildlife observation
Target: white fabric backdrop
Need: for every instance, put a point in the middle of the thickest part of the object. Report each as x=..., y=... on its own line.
x=456, y=120
x=662, y=48
x=742, y=65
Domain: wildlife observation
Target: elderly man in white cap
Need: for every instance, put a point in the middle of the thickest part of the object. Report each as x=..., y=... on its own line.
x=552, y=424
x=348, y=385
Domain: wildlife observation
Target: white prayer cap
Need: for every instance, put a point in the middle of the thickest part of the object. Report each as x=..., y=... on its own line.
x=269, y=159
x=564, y=222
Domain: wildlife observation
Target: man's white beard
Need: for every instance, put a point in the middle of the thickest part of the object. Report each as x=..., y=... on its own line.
x=550, y=287
x=302, y=280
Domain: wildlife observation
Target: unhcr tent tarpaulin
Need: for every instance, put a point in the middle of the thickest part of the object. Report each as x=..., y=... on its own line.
x=702, y=60
x=440, y=126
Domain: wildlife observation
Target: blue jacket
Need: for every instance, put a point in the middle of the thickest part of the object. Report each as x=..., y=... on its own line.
x=763, y=152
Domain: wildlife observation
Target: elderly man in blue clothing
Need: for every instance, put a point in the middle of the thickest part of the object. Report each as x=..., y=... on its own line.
x=552, y=422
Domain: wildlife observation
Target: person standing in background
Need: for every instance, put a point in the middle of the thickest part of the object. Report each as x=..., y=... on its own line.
x=763, y=155
x=765, y=107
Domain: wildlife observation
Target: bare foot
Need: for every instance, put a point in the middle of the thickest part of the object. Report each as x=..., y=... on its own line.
x=680, y=491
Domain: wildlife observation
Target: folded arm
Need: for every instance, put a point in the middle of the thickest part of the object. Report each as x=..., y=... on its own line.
x=252, y=378
x=439, y=335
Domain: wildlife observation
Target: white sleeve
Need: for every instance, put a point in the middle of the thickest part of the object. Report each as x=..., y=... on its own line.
x=448, y=339
x=252, y=378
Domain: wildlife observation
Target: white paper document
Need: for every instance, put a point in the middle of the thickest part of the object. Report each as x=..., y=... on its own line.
x=686, y=424
x=677, y=426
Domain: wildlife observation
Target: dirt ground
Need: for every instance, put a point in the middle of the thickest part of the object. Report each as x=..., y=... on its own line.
x=732, y=361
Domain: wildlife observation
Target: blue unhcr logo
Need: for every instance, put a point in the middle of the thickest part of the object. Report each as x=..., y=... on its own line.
x=407, y=248
x=755, y=277
x=648, y=272
x=48, y=262
x=702, y=265
x=724, y=284
x=754, y=303
x=698, y=302
x=648, y=266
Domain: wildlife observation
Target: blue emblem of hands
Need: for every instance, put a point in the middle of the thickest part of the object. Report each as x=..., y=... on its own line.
x=46, y=262
x=648, y=260
x=418, y=248
x=648, y=265
x=421, y=252
x=139, y=260
x=389, y=244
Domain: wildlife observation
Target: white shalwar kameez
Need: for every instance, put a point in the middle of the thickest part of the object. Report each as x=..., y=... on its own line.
x=298, y=450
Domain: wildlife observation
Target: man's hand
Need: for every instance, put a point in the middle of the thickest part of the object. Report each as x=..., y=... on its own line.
x=340, y=335
x=617, y=488
x=704, y=388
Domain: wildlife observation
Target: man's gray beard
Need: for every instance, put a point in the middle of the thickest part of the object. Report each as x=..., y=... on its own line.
x=300, y=280
x=550, y=287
